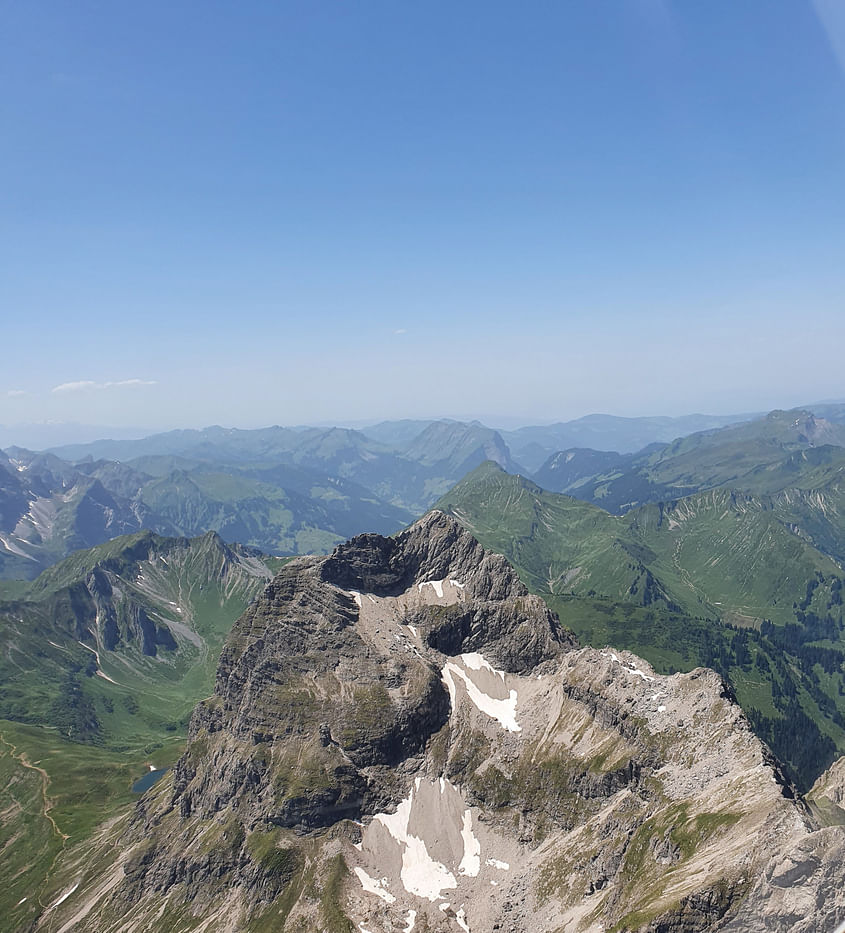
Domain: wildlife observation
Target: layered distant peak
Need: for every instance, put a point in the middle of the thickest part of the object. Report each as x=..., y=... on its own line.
x=459, y=447
x=567, y=469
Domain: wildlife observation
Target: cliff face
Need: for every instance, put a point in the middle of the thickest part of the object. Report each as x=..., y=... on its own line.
x=401, y=738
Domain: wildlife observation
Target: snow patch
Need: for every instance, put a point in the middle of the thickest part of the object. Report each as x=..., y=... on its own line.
x=420, y=874
x=461, y=920
x=373, y=886
x=661, y=709
x=471, y=861
x=630, y=669
x=477, y=662
x=356, y=596
x=411, y=921
x=13, y=548
x=437, y=584
x=460, y=586
x=495, y=863
x=504, y=711
x=64, y=897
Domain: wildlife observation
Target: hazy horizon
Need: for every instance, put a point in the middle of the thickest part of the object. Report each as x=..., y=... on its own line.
x=42, y=435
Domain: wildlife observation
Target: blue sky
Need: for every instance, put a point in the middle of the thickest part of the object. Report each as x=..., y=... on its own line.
x=285, y=212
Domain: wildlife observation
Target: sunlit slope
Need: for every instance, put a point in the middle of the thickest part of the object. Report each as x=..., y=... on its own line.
x=721, y=579
x=719, y=554
x=730, y=555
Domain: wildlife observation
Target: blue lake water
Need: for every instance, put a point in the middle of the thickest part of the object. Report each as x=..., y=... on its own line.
x=147, y=781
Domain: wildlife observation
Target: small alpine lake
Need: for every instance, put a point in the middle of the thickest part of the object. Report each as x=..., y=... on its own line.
x=147, y=781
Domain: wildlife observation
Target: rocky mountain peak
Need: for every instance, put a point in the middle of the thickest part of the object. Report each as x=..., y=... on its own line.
x=432, y=549
x=401, y=738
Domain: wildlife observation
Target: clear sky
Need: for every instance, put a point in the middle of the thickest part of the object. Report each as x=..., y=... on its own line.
x=288, y=212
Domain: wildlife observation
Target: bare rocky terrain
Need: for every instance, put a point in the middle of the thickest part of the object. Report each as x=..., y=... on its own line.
x=402, y=738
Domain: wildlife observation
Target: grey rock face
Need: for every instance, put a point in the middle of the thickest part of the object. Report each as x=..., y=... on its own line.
x=801, y=889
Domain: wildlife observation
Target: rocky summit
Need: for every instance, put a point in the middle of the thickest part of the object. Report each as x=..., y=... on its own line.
x=401, y=738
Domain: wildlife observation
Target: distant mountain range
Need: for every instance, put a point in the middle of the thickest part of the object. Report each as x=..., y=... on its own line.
x=303, y=490
x=286, y=491
x=531, y=446
x=764, y=455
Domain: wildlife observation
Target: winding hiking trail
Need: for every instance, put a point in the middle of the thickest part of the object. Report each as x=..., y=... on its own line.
x=46, y=803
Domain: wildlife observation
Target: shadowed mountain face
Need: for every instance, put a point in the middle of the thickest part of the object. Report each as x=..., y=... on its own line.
x=401, y=737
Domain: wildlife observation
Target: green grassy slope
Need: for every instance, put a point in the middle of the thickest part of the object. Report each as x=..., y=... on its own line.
x=589, y=552
x=730, y=555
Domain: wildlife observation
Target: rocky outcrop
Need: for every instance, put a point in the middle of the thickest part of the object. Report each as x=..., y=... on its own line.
x=299, y=677
x=432, y=549
x=831, y=785
x=800, y=889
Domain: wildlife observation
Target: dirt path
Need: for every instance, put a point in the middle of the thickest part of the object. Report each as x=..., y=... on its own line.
x=46, y=803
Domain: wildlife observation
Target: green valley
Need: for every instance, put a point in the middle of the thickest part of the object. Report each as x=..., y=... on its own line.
x=102, y=659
